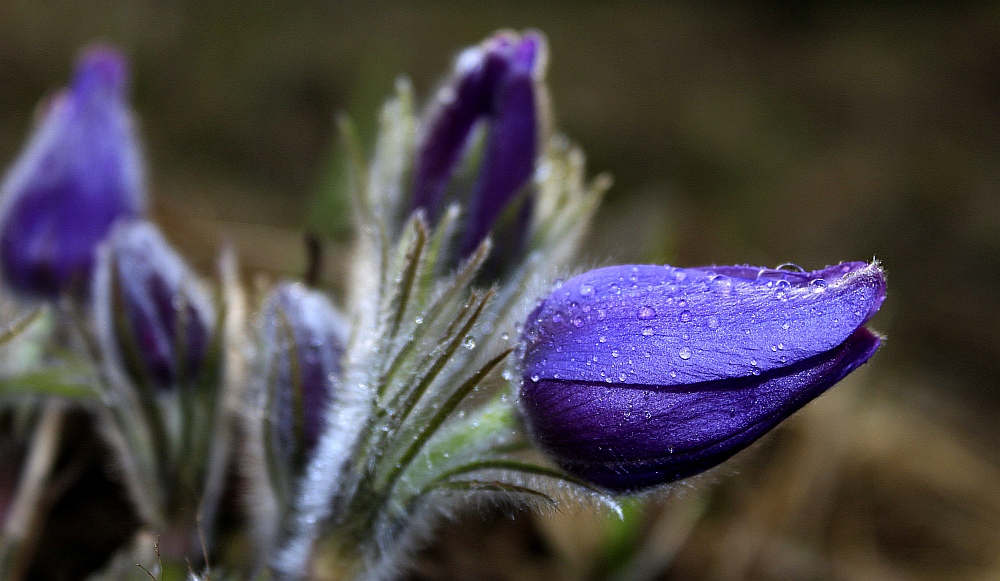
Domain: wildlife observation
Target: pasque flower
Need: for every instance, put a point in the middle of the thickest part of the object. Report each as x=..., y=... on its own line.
x=496, y=83
x=152, y=308
x=304, y=341
x=636, y=376
x=79, y=172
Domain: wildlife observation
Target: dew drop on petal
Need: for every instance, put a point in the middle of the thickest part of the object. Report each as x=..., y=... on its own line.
x=713, y=322
x=535, y=378
x=684, y=353
x=586, y=290
x=602, y=339
x=577, y=322
x=685, y=316
x=646, y=313
x=721, y=284
x=647, y=331
x=818, y=285
x=614, y=353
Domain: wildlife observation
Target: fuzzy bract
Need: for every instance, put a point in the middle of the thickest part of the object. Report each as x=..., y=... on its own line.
x=636, y=376
x=79, y=173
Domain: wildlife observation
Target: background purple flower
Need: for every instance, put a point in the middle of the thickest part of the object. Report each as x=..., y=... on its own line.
x=158, y=316
x=495, y=83
x=79, y=173
x=639, y=375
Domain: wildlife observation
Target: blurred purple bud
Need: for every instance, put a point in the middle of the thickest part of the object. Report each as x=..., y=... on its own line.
x=304, y=341
x=79, y=172
x=636, y=376
x=153, y=307
x=495, y=83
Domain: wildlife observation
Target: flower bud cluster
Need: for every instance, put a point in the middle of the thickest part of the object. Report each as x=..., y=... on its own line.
x=429, y=389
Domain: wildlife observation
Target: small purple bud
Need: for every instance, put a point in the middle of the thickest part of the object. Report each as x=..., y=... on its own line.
x=636, y=376
x=495, y=83
x=154, y=310
x=304, y=342
x=79, y=172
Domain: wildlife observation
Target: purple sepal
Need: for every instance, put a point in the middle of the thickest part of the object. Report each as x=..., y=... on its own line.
x=494, y=83
x=640, y=375
x=304, y=342
x=160, y=318
x=80, y=171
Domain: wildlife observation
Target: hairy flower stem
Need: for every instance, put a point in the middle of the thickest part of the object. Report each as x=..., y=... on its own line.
x=24, y=516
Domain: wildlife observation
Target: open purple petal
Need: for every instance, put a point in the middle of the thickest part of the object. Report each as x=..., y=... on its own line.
x=627, y=437
x=511, y=145
x=663, y=326
x=459, y=104
x=494, y=85
x=78, y=174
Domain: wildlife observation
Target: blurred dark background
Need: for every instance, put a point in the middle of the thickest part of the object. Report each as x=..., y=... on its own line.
x=736, y=132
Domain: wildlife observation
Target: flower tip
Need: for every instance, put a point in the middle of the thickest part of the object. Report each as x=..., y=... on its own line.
x=866, y=275
x=100, y=69
x=529, y=52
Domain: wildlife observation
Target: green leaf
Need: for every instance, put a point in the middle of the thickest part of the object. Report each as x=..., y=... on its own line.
x=48, y=382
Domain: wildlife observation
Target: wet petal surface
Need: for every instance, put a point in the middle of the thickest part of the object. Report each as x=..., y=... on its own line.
x=662, y=326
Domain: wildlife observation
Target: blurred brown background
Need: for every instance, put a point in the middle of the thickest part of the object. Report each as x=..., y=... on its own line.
x=736, y=132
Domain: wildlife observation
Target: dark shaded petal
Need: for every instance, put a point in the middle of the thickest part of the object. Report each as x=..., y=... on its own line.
x=459, y=104
x=79, y=173
x=511, y=144
x=626, y=437
x=163, y=319
x=662, y=326
x=304, y=336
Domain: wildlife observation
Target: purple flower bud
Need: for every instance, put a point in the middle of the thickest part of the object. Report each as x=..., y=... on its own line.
x=79, y=173
x=304, y=337
x=153, y=309
x=495, y=83
x=640, y=375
